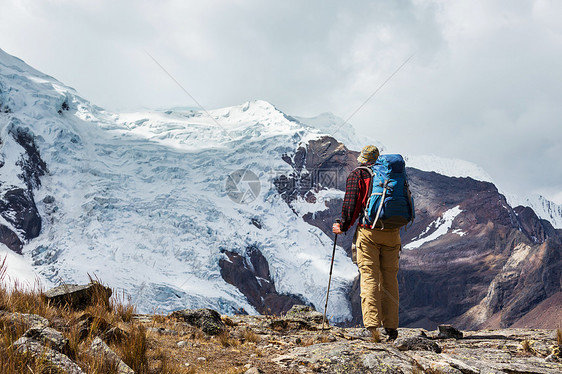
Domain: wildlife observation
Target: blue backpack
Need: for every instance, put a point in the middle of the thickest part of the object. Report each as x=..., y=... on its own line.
x=390, y=203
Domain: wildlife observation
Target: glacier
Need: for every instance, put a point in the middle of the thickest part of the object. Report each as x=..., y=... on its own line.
x=138, y=200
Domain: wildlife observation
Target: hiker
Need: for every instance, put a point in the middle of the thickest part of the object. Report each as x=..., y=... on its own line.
x=377, y=249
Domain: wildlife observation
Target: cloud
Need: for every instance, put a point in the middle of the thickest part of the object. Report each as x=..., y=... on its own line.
x=485, y=91
x=484, y=84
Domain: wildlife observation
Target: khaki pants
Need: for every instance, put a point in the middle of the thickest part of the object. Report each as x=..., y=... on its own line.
x=378, y=252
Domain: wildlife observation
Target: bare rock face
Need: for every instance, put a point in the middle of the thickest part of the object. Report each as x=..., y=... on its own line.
x=493, y=265
x=497, y=351
x=18, y=208
x=537, y=230
x=17, y=204
x=358, y=357
x=249, y=272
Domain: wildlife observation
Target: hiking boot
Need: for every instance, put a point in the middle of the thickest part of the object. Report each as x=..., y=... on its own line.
x=390, y=334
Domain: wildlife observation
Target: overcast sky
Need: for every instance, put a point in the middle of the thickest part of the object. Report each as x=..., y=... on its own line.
x=484, y=83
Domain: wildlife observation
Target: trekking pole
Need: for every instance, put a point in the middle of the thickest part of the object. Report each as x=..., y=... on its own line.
x=330, y=278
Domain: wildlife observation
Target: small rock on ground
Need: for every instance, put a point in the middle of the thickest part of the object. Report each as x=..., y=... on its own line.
x=448, y=331
x=417, y=343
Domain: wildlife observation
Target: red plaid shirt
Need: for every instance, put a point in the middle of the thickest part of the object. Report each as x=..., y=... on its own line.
x=356, y=195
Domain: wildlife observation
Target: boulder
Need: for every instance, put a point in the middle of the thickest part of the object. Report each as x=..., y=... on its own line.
x=306, y=313
x=299, y=317
x=78, y=296
x=59, y=362
x=49, y=337
x=207, y=320
x=99, y=348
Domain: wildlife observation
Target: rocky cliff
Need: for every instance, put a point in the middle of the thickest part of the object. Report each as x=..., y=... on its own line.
x=19, y=219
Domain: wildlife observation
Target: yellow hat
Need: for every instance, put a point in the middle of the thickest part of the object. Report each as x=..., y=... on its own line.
x=369, y=155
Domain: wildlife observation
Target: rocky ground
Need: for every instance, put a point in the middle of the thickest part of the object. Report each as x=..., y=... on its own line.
x=297, y=344
x=292, y=346
x=98, y=340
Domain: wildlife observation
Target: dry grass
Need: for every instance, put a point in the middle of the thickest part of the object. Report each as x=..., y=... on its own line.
x=159, y=318
x=559, y=336
x=134, y=351
x=250, y=336
x=151, y=346
x=375, y=335
x=121, y=306
x=324, y=338
x=527, y=347
x=226, y=341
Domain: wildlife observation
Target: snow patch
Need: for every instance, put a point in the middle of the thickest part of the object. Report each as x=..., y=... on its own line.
x=18, y=271
x=440, y=226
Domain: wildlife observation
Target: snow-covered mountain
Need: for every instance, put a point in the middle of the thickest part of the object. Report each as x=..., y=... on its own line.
x=232, y=209
x=140, y=200
x=543, y=207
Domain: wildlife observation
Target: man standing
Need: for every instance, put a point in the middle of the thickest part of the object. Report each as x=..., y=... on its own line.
x=378, y=252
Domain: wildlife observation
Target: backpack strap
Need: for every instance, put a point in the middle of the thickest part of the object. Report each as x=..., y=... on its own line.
x=365, y=168
x=384, y=188
x=369, y=190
